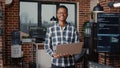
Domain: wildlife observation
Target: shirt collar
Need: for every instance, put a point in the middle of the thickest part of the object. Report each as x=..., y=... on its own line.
x=64, y=26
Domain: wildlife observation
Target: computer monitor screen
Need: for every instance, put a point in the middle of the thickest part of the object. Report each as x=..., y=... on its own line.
x=108, y=32
x=38, y=33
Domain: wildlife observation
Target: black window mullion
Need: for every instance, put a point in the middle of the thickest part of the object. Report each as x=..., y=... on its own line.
x=75, y=15
x=39, y=14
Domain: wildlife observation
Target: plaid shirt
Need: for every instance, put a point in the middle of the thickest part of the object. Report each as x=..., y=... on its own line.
x=56, y=35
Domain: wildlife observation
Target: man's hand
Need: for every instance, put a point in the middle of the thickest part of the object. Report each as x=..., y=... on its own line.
x=66, y=55
x=57, y=55
x=61, y=55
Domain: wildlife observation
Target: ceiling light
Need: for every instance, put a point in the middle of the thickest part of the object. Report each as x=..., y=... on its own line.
x=114, y=4
x=98, y=8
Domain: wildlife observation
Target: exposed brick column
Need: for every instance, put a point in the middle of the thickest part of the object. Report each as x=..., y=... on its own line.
x=11, y=24
x=1, y=61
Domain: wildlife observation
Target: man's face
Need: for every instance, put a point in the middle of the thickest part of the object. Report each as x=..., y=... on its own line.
x=62, y=14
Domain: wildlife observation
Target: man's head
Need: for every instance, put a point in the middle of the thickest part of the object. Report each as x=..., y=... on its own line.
x=62, y=13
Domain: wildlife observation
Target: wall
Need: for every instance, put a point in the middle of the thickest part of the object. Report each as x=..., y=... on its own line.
x=104, y=3
x=2, y=7
x=92, y=4
x=11, y=24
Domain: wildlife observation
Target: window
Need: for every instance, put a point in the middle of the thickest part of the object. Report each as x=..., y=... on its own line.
x=38, y=13
x=71, y=13
x=28, y=15
x=47, y=12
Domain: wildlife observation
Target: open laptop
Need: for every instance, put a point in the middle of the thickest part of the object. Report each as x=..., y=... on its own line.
x=73, y=48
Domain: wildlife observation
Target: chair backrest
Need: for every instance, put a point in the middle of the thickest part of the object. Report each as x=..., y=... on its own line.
x=80, y=57
x=16, y=38
x=16, y=51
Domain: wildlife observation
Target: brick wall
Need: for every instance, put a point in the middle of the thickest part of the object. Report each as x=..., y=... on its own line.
x=104, y=3
x=27, y=53
x=1, y=61
x=12, y=23
x=2, y=5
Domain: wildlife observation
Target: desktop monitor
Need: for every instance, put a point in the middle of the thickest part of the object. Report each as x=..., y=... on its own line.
x=108, y=32
x=38, y=33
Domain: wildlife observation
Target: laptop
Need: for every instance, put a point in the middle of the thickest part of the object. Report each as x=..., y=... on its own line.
x=73, y=48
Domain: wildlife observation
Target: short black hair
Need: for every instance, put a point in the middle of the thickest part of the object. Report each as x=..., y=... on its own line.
x=62, y=6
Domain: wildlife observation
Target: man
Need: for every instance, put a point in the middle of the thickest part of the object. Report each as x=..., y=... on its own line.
x=61, y=33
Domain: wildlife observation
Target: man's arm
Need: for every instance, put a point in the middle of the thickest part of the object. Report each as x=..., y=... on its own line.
x=47, y=43
x=76, y=36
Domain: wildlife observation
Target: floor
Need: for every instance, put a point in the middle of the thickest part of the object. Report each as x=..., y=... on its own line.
x=14, y=66
x=79, y=65
x=11, y=67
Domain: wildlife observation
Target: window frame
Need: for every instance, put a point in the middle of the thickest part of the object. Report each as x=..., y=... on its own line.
x=54, y=3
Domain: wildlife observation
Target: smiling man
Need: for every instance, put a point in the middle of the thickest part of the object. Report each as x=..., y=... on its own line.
x=61, y=33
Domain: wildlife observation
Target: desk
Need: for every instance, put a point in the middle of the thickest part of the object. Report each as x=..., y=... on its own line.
x=43, y=60
x=37, y=48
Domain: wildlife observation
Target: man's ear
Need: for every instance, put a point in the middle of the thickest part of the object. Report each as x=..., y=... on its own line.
x=67, y=14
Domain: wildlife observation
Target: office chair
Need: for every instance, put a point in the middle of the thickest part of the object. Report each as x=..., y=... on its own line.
x=79, y=58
